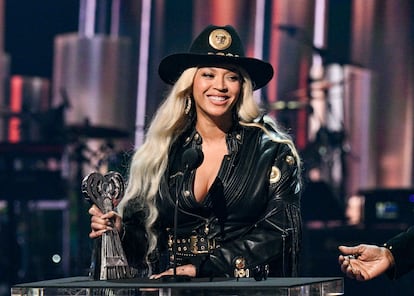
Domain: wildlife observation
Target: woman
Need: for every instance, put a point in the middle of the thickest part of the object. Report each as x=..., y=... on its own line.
x=237, y=214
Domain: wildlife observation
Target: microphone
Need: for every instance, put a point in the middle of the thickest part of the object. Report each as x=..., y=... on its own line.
x=191, y=159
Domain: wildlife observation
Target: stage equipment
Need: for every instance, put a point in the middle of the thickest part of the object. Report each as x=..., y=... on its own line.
x=390, y=207
x=30, y=175
x=325, y=125
x=302, y=35
x=26, y=99
x=94, y=132
x=96, y=73
x=288, y=105
x=316, y=286
x=109, y=260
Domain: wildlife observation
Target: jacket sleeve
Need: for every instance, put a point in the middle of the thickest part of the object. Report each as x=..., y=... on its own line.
x=402, y=249
x=133, y=236
x=275, y=236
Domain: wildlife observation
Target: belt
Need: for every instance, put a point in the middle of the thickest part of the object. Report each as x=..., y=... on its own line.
x=193, y=245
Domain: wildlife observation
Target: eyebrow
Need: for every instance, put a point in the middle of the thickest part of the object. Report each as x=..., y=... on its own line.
x=228, y=68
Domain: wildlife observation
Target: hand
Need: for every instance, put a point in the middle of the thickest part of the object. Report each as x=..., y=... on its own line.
x=100, y=223
x=188, y=270
x=365, y=262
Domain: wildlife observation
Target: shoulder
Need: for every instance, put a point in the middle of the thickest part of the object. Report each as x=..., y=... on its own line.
x=275, y=136
x=270, y=133
x=271, y=142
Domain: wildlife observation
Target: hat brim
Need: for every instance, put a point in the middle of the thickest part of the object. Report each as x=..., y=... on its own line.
x=172, y=66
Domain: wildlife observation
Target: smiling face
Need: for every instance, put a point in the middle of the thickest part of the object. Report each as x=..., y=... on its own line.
x=216, y=91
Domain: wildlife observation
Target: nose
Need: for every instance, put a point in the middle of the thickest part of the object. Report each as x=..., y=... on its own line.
x=220, y=84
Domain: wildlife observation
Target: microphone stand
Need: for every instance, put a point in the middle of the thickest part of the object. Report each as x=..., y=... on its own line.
x=175, y=277
x=181, y=278
x=175, y=237
x=192, y=159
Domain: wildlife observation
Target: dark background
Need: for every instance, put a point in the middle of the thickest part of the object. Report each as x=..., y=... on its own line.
x=30, y=28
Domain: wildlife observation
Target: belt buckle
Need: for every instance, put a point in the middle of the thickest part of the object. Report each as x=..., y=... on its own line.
x=193, y=244
x=195, y=247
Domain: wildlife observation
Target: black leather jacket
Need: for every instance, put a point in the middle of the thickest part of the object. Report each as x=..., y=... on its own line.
x=252, y=210
x=402, y=249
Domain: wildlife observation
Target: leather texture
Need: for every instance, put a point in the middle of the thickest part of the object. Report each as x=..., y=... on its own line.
x=402, y=249
x=248, y=211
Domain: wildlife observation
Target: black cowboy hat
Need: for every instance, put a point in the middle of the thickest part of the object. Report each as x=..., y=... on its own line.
x=215, y=46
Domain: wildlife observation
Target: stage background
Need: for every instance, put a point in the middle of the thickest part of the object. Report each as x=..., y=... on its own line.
x=345, y=67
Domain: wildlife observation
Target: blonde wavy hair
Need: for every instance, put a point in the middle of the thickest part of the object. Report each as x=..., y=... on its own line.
x=149, y=162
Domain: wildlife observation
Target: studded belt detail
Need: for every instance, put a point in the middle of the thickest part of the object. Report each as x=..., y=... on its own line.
x=192, y=246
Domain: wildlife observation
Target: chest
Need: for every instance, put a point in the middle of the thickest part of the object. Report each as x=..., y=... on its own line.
x=244, y=175
x=209, y=169
x=241, y=163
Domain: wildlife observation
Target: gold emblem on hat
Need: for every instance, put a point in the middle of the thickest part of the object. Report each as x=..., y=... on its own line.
x=219, y=39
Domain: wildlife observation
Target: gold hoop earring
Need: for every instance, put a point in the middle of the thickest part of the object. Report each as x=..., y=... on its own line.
x=188, y=104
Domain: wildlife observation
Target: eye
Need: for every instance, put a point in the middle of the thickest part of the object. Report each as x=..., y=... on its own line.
x=207, y=74
x=233, y=78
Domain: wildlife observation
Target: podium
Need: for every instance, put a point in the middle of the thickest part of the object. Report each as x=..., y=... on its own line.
x=203, y=287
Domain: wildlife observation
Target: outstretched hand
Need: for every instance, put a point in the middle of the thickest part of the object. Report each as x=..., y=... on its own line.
x=365, y=262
